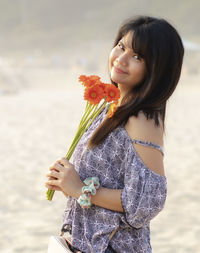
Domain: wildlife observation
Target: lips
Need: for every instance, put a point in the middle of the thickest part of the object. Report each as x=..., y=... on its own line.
x=120, y=71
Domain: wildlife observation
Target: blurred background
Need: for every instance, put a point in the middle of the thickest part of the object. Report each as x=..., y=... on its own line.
x=44, y=47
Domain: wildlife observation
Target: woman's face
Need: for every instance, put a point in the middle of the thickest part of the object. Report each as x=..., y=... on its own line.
x=127, y=69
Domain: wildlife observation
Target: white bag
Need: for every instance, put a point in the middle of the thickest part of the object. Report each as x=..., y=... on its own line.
x=57, y=244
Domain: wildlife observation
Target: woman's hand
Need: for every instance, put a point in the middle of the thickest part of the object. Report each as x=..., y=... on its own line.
x=63, y=177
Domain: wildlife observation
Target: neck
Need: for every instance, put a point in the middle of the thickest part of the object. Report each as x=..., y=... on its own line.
x=123, y=92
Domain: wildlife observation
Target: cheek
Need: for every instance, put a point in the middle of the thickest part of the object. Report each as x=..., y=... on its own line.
x=110, y=60
x=112, y=57
x=139, y=70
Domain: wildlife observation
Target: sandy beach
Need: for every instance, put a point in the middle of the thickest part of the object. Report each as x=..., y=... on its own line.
x=37, y=127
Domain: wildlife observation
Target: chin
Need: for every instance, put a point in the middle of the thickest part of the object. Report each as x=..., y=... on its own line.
x=114, y=77
x=117, y=79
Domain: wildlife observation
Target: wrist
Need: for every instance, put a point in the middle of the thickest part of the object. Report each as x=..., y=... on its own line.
x=78, y=192
x=89, y=189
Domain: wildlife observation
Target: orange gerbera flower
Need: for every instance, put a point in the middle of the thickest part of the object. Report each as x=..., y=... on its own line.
x=112, y=92
x=82, y=78
x=112, y=109
x=103, y=86
x=94, y=94
x=89, y=81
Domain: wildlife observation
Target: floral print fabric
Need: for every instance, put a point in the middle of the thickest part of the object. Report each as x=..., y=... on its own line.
x=118, y=166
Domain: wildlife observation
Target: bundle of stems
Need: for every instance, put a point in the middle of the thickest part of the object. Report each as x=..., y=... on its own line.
x=91, y=112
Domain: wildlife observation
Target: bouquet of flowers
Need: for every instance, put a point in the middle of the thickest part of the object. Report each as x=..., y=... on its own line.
x=98, y=96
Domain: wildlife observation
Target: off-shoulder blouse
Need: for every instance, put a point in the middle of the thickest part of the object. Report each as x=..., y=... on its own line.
x=118, y=166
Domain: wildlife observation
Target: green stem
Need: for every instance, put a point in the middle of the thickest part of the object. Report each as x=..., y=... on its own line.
x=83, y=128
x=86, y=110
x=87, y=116
x=50, y=194
x=71, y=150
x=96, y=114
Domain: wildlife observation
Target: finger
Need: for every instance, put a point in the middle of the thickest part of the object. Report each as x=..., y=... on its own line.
x=52, y=187
x=64, y=162
x=61, y=160
x=53, y=182
x=53, y=174
x=57, y=167
x=50, y=178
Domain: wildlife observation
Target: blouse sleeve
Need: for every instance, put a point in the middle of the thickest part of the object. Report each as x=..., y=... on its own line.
x=144, y=192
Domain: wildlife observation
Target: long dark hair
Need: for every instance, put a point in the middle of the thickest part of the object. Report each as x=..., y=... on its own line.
x=160, y=45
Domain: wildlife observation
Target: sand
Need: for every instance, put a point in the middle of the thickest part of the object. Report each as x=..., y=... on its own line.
x=37, y=126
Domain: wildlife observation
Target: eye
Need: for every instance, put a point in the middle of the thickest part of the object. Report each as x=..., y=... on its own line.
x=120, y=46
x=137, y=57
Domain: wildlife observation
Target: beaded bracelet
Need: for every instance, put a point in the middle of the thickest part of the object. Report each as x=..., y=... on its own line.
x=91, y=185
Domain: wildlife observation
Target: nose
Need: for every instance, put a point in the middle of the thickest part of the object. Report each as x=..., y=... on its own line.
x=122, y=59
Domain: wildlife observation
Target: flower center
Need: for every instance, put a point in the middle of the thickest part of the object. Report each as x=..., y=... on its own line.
x=112, y=94
x=93, y=94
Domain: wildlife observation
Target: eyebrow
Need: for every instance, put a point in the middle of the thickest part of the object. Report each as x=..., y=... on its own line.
x=125, y=45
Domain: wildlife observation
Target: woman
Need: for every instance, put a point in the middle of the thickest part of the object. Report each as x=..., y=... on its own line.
x=125, y=151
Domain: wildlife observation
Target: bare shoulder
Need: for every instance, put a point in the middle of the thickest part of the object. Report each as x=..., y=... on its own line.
x=143, y=129
x=140, y=128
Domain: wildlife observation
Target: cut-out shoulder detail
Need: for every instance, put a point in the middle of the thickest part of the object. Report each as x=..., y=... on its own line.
x=149, y=144
x=139, y=128
x=152, y=164
x=145, y=143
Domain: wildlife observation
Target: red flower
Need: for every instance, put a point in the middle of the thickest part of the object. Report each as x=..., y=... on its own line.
x=94, y=94
x=112, y=92
x=103, y=87
x=89, y=81
x=95, y=90
x=82, y=78
x=112, y=109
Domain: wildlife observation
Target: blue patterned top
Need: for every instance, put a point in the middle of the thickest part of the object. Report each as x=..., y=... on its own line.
x=118, y=166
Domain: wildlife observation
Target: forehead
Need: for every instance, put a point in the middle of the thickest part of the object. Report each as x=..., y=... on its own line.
x=127, y=40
